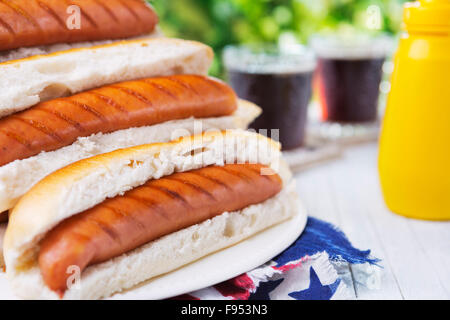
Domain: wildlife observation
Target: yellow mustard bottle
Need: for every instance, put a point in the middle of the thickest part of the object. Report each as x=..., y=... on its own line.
x=414, y=155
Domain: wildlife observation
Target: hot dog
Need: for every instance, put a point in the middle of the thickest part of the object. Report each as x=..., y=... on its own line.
x=157, y=208
x=133, y=214
x=25, y=23
x=58, y=123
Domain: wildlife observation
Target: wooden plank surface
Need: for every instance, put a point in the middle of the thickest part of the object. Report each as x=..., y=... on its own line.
x=415, y=254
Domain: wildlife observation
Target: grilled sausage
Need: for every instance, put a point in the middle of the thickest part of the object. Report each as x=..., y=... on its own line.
x=58, y=123
x=158, y=208
x=25, y=23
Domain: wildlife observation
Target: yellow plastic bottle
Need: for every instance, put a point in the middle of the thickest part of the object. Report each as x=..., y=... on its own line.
x=414, y=156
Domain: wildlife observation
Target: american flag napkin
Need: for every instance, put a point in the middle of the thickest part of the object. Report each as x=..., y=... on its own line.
x=307, y=270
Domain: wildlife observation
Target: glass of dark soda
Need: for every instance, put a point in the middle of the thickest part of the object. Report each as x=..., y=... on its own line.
x=279, y=80
x=348, y=77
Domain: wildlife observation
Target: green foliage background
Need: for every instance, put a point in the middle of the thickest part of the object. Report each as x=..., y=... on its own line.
x=222, y=22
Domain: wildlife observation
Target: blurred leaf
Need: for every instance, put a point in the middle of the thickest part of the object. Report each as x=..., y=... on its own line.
x=222, y=22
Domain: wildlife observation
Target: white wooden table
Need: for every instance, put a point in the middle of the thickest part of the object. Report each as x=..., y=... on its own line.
x=415, y=254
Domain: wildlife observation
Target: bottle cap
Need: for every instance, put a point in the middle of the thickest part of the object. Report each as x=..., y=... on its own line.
x=427, y=16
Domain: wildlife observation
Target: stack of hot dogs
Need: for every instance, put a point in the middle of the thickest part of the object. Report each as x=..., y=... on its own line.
x=100, y=169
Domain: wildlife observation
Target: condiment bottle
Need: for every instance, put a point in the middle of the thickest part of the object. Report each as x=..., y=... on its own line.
x=414, y=156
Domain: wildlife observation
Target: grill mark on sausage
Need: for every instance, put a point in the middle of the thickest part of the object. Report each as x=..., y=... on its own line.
x=109, y=101
x=236, y=174
x=78, y=234
x=7, y=26
x=253, y=169
x=184, y=85
x=161, y=89
x=84, y=14
x=133, y=93
x=107, y=229
x=107, y=10
x=130, y=10
x=22, y=12
x=125, y=215
x=88, y=17
x=170, y=193
x=17, y=138
x=149, y=203
x=40, y=127
x=193, y=186
x=216, y=181
x=258, y=171
x=212, y=83
x=88, y=109
x=51, y=12
x=65, y=118
x=240, y=173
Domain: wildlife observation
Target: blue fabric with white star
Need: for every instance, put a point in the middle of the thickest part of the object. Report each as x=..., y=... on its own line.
x=304, y=271
x=322, y=236
x=319, y=236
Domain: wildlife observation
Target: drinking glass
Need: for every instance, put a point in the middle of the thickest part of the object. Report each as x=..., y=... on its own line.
x=279, y=80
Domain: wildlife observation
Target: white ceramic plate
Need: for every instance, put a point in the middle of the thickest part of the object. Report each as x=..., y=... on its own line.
x=212, y=269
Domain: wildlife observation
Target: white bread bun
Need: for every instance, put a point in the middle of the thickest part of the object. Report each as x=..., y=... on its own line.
x=87, y=183
x=29, y=81
x=17, y=177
